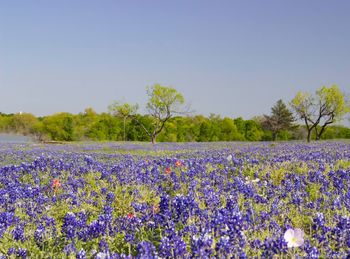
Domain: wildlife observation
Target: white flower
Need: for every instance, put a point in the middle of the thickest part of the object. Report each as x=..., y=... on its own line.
x=102, y=255
x=294, y=237
x=229, y=158
x=256, y=180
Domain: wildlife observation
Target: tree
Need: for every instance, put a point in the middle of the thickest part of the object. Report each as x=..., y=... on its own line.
x=281, y=119
x=59, y=126
x=123, y=110
x=163, y=103
x=327, y=107
x=22, y=123
x=253, y=131
x=229, y=130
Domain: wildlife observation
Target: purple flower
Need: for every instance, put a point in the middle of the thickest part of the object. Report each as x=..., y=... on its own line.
x=146, y=250
x=18, y=233
x=313, y=253
x=81, y=254
x=11, y=251
x=39, y=234
x=69, y=249
x=21, y=252
x=69, y=226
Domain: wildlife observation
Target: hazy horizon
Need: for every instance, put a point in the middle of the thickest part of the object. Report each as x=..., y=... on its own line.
x=232, y=58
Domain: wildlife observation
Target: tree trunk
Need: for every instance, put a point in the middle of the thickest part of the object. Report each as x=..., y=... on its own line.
x=309, y=129
x=316, y=132
x=323, y=128
x=274, y=136
x=309, y=135
x=153, y=139
x=124, y=127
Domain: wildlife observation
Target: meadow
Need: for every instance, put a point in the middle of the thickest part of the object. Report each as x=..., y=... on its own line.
x=172, y=200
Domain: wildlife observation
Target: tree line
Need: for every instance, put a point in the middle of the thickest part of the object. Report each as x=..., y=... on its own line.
x=168, y=121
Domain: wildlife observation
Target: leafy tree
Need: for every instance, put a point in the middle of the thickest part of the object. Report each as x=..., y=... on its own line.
x=83, y=122
x=124, y=110
x=23, y=123
x=139, y=124
x=106, y=127
x=229, y=130
x=59, y=126
x=281, y=119
x=163, y=103
x=253, y=131
x=327, y=107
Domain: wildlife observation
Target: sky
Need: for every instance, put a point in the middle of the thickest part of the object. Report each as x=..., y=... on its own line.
x=232, y=58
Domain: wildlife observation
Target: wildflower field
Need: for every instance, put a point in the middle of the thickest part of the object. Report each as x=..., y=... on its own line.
x=192, y=200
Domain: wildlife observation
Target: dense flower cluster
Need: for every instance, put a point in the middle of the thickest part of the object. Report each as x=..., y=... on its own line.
x=192, y=200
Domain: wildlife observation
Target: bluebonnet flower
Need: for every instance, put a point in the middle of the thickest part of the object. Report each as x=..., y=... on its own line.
x=21, y=252
x=146, y=250
x=18, y=233
x=39, y=234
x=319, y=221
x=69, y=249
x=96, y=228
x=255, y=244
x=103, y=245
x=223, y=247
x=180, y=248
x=81, y=254
x=201, y=246
x=7, y=218
x=165, y=248
x=11, y=251
x=110, y=197
x=313, y=253
x=69, y=226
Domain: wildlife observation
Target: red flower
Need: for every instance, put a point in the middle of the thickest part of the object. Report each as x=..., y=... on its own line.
x=56, y=184
x=130, y=215
x=178, y=163
x=168, y=170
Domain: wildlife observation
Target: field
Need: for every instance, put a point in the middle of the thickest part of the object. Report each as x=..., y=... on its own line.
x=115, y=200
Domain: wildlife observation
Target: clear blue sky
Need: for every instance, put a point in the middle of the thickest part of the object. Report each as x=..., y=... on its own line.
x=233, y=58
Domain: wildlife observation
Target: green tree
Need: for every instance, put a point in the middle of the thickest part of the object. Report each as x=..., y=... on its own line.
x=123, y=110
x=59, y=126
x=106, y=127
x=23, y=123
x=253, y=131
x=229, y=130
x=326, y=107
x=281, y=119
x=163, y=103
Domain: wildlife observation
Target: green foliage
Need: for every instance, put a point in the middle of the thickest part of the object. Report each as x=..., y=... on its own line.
x=163, y=103
x=22, y=123
x=90, y=125
x=326, y=107
x=281, y=119
x=60, y=126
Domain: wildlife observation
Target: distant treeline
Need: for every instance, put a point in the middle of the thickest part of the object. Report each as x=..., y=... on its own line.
x=90, y=125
